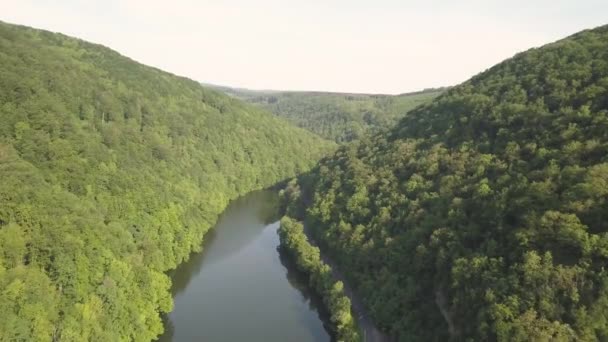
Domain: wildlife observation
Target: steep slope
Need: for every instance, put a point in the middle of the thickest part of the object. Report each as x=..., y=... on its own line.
x=111, y=172
x=340, y=117
x=484, y=214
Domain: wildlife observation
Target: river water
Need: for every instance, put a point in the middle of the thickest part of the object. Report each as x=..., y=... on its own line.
x=240, y=288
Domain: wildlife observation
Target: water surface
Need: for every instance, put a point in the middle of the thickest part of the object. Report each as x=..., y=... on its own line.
x=240, y=288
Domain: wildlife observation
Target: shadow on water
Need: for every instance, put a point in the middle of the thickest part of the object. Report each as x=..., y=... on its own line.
x=167, y=335
x=183, y=274
x=238, y=213
x=267, y=213
x=299, y=281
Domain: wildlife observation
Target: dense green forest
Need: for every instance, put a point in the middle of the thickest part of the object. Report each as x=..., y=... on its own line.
x=482, y=215
x=308, y=260
x=340, y=117
x=111, y=172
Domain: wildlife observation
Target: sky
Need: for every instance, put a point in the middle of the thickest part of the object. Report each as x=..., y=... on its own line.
x=372, y=46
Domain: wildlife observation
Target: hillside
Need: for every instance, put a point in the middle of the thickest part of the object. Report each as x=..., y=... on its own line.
x=111, y=173
x=482, y=215
x=341, y=117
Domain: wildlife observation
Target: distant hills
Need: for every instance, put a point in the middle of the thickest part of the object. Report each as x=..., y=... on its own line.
x=340, y=117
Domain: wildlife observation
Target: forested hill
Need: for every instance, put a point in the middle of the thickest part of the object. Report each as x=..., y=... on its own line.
x=341, y=117
x=111, y=172
x=484, y=214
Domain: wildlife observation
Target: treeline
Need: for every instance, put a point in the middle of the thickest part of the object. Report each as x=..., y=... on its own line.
x=339, y=117
x=482, y=215
x=308, y=260
x=111, y=172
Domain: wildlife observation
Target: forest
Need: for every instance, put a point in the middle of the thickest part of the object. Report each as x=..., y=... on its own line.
x=483, y=214
x=111, y=173
x=340, y=117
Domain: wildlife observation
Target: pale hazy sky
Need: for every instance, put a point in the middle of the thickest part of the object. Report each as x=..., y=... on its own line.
x=379, y=46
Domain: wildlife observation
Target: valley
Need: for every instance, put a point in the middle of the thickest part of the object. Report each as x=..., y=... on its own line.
x=138, y=205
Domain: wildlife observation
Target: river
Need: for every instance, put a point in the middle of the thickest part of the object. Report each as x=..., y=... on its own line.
x=240, y=288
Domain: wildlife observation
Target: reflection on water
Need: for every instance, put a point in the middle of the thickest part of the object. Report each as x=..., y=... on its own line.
x=299, y=280
x=239, y=288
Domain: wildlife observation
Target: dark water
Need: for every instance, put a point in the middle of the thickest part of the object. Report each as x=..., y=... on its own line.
x=240, y=288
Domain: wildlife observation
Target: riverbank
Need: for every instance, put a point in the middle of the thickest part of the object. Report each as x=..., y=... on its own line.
x=308, y=260
x=295, y=201
x=368, y=330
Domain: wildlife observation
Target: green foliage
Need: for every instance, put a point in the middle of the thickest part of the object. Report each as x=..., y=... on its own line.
x=111, y=173
x=482, y=215
x=336, y=116
x=308, y=260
